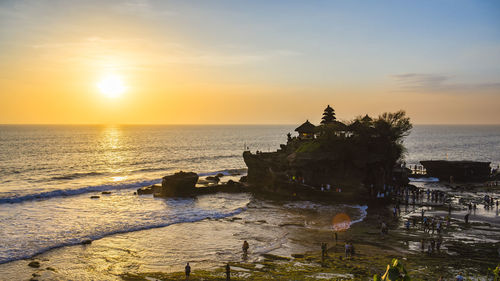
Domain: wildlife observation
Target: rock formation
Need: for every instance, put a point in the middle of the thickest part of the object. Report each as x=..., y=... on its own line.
x=180, y=184
x=465, y=171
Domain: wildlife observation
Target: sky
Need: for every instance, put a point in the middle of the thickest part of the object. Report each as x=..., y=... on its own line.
x=248, y=62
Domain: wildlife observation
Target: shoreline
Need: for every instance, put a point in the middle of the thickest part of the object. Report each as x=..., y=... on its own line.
x=298, y=256
x=374, y=253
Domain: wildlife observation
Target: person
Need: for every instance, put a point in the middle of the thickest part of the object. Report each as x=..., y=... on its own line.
x=352, y=249
x=347, y=250
x=336, y=238
x=245, y=247
x=466, y=218
x=438, y=243
x=407, y=224
x=228, y=272
x=188, y=271
x=459, y=277
x=422, y=244
x=323, y=250
x=384, y=228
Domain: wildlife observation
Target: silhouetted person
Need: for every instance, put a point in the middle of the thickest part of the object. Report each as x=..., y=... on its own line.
x=245, y=247
x=228, y=272
x=187, y=270
x=466, y=218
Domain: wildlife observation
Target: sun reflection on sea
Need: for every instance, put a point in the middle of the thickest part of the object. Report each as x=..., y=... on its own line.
x=118, y=178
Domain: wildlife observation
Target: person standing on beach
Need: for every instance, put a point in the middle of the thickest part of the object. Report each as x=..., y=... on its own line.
x=466, y=218
x=245, y=247
x=459, y=277
x=228, y=272
x=187, y=269
x=324, y=250
x=347, y=249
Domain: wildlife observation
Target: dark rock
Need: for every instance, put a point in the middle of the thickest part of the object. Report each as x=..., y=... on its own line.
x=243, y=179
x=106, y=192
x=34, y=264
x=231, y=182
x=213, y=179
x=87, y=242
x=35, y=275
x=465, y=171
x=51, y=269
x=149, y=189
x=220, y=175
x=180, y=184
x=95, y=197
x=298, y=256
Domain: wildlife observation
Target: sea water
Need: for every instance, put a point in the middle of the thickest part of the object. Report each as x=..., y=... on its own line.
x=48, y=173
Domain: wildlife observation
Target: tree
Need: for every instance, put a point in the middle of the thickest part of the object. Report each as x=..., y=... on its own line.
x=328, y=116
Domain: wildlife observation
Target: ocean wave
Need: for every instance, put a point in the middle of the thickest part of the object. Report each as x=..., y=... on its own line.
x=80, y=240
x=227, y=172
x=430, y=179
x=75, y=176
x=105, y=187
x=78, y=191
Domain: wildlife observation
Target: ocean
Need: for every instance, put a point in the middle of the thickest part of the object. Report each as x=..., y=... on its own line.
x=48, y=173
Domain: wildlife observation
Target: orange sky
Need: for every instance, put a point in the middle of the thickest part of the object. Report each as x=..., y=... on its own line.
x=229, y=64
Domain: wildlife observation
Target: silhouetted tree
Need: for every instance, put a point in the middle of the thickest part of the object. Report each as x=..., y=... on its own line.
x=328, y=116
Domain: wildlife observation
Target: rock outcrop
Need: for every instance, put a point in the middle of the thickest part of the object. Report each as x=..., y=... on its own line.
x=180, y=184
x=464, y=171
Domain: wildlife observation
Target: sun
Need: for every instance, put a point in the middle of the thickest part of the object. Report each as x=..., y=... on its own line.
x=111, y=86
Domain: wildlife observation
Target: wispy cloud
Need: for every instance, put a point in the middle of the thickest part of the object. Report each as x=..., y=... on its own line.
x=438, y=83
x=95, y=49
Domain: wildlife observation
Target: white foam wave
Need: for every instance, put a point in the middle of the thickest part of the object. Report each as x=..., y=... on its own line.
x=430, y=179
x=76, y=241
x=78, y=191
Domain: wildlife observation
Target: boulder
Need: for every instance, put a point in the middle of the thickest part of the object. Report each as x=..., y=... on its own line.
x=180, y=184
x=220, y=175
x=215, y=179
x=106, y=192
x=87, y=242
x=149, y=189
x=95, y=197
x=243, y=179
x=34, y=264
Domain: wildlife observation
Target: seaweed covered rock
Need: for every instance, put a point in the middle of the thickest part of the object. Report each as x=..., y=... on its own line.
x=180, y=184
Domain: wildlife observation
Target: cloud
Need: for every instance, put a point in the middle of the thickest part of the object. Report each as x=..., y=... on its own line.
x=420, y=81
x=438, y=83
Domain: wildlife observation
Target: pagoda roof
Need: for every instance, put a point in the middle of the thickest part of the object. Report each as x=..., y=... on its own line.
x=307, y=127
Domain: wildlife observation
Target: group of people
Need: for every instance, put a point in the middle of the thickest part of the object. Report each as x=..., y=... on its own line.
x=432, y=245
x=349, y=249
x=244, y=248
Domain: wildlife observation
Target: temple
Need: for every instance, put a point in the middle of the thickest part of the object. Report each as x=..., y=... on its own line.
x=306, y=130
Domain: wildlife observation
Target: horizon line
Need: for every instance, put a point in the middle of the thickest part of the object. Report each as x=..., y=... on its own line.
x=217, y=124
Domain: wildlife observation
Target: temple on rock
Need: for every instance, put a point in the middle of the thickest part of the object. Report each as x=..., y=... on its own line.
x=306, y=130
